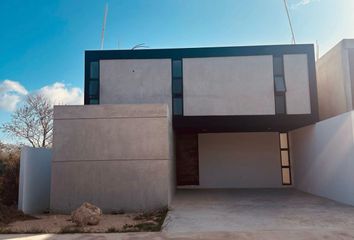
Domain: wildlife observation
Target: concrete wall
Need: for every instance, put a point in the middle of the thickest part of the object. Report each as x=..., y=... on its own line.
x=135, y=81
x=228, y=86
x=334, y=81
x=297, y=84
x=243, y=85
x=34, y=184
x=239, y=160
x=117, y=157
x=323, y=158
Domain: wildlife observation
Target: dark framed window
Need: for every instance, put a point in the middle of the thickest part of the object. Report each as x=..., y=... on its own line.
x=285, y=159
x=93, y=87
x=279, y=85
x=177, y=69
x=280, y=105
x=93, y=101
x=177, y=86
x=94, y=70
x=177, y=106
x=278, y=65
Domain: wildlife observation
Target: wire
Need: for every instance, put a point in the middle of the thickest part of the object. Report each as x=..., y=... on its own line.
x=290, y=24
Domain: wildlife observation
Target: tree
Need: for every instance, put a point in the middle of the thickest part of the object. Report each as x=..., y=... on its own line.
x=32, y=122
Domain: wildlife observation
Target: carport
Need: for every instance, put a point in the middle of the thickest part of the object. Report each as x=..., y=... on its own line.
x=253, y=210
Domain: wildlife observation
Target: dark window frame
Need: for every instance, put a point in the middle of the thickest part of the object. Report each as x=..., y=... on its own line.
x=289, y=160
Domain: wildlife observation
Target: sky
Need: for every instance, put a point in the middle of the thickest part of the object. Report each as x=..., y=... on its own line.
x=42, y=42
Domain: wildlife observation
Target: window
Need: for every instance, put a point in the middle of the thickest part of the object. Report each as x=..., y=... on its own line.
x=177, y=86
x=285, y=159
x=93, y=101
x=278, y=66
x=280, y=107
x=177, y=68
x=177, y=106
x=93, y=87
x=94, y=72
x=279, y=84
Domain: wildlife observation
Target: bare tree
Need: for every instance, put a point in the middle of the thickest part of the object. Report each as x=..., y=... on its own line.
x=32, y=122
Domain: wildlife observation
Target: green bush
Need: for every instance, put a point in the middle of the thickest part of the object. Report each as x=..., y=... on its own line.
x=9, y=179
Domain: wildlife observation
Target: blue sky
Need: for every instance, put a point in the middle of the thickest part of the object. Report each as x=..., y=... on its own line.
x=42, y=42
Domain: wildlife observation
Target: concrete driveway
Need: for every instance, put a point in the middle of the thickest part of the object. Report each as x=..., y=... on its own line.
x=254, y=210
x=240, y=214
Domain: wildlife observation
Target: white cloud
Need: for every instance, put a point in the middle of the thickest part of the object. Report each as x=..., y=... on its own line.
x=59, y=93
x=11, y=93
x=303, y=3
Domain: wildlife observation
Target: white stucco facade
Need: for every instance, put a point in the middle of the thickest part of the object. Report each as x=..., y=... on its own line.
x=335, y=80
x=134, y=81
x=323, y=157
x=297, y=84
x=228, y=86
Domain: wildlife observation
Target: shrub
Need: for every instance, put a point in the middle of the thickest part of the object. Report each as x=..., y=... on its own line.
x=9, y=181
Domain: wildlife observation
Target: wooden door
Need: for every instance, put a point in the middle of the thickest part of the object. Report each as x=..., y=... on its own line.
x=187, y=161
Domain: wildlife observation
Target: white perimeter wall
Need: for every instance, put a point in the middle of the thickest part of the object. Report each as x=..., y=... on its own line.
x=35, y=174
x=239, y=160
x=323, y=158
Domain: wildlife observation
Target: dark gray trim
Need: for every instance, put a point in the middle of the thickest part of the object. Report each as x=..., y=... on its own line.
x=281, y=122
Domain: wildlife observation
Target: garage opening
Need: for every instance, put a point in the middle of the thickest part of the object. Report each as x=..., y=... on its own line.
x=233, y=160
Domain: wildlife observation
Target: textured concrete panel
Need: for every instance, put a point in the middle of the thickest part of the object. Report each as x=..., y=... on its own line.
x=118, y=157
x=135, y=81
x=323, y=158
x=239, y=160
x=111, y=111
x=228, y=86
x=111, y=185
x=297, y=84
x=111, y=139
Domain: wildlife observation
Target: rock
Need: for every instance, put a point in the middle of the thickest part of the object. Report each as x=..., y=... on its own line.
x=86, y=214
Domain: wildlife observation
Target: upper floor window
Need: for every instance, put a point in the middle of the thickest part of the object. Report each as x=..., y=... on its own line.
x=94, y=72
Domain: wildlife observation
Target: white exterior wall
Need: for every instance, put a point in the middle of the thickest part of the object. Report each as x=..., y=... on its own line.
x=228, y=86
x=323, y=158
x=133, y=81
x=239, y=160
x=297, y=84
x=35, y=174
x=117, y=157
x=334, y=81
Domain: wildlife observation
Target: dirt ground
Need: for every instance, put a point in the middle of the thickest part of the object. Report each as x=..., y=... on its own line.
x=54, y=223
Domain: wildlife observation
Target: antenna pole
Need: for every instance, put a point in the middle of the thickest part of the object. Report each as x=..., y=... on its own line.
x=104, y=25
x=290, y=24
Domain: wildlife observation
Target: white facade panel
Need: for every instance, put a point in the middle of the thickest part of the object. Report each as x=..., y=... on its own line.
x=297, y=84
x=133, y=81
x=228, y=86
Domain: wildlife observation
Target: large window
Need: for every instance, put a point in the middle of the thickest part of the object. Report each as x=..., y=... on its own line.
x=285, y=159
x=93, y=88
x=177, y=87
x=279, y=85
